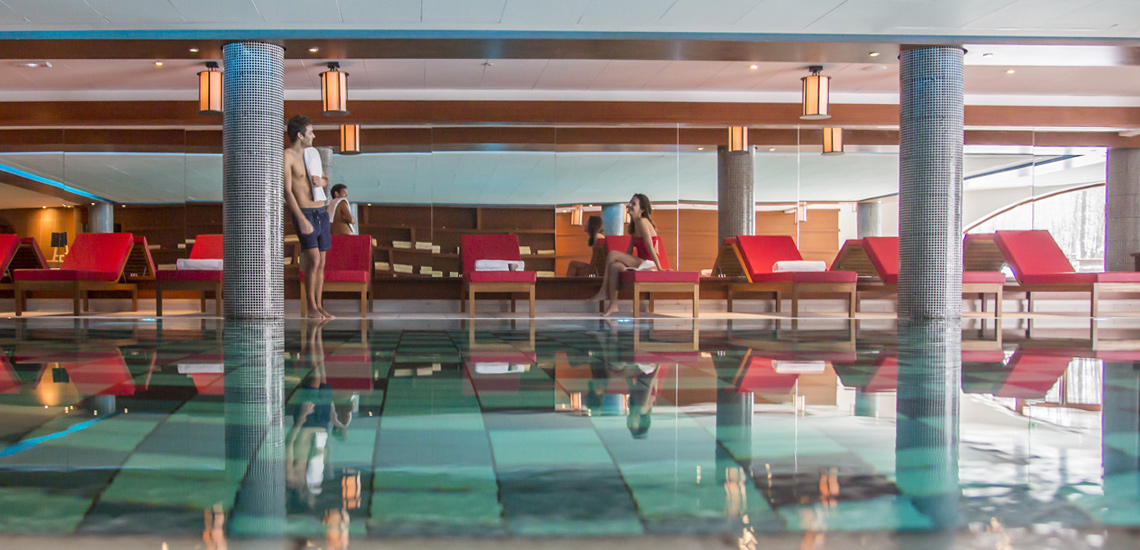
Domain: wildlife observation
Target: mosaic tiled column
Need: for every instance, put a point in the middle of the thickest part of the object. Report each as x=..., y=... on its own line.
x=613, y=217
x=1122, y=210
x=735, y=205
x=254, y=411
x=252, y=140
x=1120, y=425
x=926, y=429
x=101, y=218
x=931, y=115
x=867, y=214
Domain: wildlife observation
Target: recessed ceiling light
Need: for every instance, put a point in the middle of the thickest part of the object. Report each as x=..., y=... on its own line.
x=874, y=54
x=1011, y=71
x=157, y=63
x=988, y=54
x=193, y=50
x=33, y=64
x=700, y=148
x=771, y=149
x=754, y=67
x=314, y=50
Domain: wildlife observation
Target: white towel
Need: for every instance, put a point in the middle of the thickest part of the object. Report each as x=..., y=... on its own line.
x=647, y=265
x=500, y=368
x=313, y=165
x=201, y=368
x=199, y=265
x=799, y=265
x=499, y=265
x=331, y=209
x=799, y=367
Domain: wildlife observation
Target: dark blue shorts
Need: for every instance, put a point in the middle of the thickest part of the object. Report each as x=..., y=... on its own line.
x=320, y=238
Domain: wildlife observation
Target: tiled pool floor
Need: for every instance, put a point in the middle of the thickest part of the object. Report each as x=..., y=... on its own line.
x=513, y=433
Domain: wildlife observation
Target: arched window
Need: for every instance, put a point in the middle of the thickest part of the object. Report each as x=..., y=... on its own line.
x=1075, y=218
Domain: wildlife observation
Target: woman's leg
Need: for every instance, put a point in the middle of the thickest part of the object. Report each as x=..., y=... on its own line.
x=613, y=276
x=611, y=258
x=577, y=269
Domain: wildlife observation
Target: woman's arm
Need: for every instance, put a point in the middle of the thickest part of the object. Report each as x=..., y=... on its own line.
x=647, y=232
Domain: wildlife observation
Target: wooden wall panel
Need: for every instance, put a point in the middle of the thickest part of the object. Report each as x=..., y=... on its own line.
x=40, y=223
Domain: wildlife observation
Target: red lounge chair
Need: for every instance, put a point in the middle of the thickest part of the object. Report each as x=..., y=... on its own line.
x=18, y=253
x=206, y=247
x=493, y=247
x=876, y=261
x=1040, y=266
x=96, y=262
x=648, y=282
x=759, y=253
x=8, y=246
x=348, y=268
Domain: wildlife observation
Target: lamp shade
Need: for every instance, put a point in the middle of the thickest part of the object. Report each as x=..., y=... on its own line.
x=59, y=240
x=833, y=141
x=576, y=215
x=334, y=91
x=350, y=139
x=210, y=90
x=737, y=138
x=816, y=95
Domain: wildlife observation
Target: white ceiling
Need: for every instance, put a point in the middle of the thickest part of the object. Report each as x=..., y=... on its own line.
x=515, y=177
x=1048, y=18
x=18, y=197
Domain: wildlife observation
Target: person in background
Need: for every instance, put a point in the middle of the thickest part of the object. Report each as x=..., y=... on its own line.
x=642, y=230
x=595, y=229
x=340, y=212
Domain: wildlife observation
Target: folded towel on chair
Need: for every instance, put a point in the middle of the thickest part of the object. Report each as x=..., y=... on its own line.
x=647, y=265
x=199, y=265
x=499, y=265
x=798, y=265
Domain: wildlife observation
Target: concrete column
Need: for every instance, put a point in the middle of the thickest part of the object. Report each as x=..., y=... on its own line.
x=931, y=117
x=254, y=422
x=868, y=216
x=100, y=218
x=1122, y=210
x=613, y=216
x=252, y=141
x=735, y=205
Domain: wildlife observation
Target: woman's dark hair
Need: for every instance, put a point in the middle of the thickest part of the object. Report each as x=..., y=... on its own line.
x=594, y=227
x=646, y=212
x=296, y=126
x=338, y=188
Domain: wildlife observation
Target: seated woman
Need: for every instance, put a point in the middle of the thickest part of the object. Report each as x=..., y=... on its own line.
x=642, y=230
x=594, y=228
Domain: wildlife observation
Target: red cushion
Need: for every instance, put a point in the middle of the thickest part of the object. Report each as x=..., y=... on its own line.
x=105, y=252
x=993, y=277
x=631, y=276
x=884, y=255
x=619, y=243
x=807, y=277
x=1032, y=253
x=207, y=247
x=349, y=253
x=63, y=275
x=188, y=275
x=8, y=246
x=761, y=252
x=487, y=247
x=1083, y=278
x=500, y=277
x=346, y=275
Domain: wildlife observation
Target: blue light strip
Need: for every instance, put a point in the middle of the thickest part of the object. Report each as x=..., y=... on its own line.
x=32, y=442
x=53, y=183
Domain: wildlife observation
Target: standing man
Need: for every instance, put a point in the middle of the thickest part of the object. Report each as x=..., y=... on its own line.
x=310, y=219
x=340, y=212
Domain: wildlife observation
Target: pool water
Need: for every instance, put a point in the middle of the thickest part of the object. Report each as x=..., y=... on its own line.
x=345, y=432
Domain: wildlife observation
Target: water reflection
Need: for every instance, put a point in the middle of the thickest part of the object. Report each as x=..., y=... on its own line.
x=341, y=431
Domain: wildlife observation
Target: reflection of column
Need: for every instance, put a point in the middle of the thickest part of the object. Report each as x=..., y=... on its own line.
x=613, y=217
x=103, y=405
x=734, y=422
x=930, y=183
x=252, y=132
x=1120, y=443
x=868, y=216
x=255, y=440
x=101, y=218
x=926, y=436
x=866, y=404
x=735, y=206
x=1122, y=215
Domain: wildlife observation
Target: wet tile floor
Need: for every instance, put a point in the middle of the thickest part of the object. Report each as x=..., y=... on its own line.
x=666, y=431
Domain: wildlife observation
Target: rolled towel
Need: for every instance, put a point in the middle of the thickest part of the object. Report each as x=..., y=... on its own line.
x=199, y=265
x=499, y=265
x=798, y=265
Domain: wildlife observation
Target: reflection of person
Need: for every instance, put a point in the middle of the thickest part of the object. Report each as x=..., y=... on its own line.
x=340, y=211
x=595, y=229
x=310, y=219
x=642, y=383
x=642, y=230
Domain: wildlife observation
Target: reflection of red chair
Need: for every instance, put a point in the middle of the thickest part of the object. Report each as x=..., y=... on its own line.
x=758, y=255
x=349, y=367
x=206, y=247
x=89, y=372
x=1041, y=266
x=1027, y=376
x=96, y=262
x=648, y=282
x=493, y=247
x=758, y=375
x=878, y=377
x=348, y=268
x=876, y=261
x=9, y=382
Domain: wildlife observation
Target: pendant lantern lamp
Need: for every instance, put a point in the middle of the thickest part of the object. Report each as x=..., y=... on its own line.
x=737, y=138
x=833, y=141
x=210, y=90
x=576, y=215
x=334, y=91
x=816, y=95
x=350, y=139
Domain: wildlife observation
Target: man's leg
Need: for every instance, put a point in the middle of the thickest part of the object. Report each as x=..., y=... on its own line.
x=310, y=259
x=321, y=287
